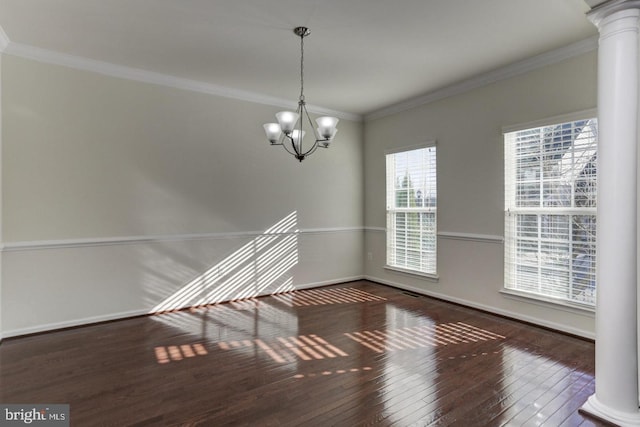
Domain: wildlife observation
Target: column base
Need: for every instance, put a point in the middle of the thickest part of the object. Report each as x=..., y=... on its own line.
x=598, y=410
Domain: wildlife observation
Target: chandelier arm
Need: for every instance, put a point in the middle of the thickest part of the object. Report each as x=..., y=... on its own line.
x=300, y=110
x=313, y=129
x=304, y=112
x=311, y=150
x=321, y=143
x=284, y=145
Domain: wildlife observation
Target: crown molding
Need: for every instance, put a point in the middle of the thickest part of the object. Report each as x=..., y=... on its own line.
x=512, y=70
x=140, y=75
x=136, y=74
x=4, y=40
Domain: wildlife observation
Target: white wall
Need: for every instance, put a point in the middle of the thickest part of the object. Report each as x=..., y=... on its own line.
x=117, y=193
x=467, y=128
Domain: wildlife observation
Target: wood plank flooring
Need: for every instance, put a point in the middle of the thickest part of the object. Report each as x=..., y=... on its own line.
x=353, y=354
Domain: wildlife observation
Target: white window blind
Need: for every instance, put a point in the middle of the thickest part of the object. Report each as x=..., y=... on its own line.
x=411, y=210
x=550, y=211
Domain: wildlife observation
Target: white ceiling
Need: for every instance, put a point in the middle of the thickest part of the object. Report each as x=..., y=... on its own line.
x=362, y=55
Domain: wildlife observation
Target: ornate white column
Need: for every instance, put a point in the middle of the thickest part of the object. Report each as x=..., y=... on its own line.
x=616, y=397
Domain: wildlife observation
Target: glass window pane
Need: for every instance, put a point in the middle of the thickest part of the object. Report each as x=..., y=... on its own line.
x=550, y=222
x=411, y=209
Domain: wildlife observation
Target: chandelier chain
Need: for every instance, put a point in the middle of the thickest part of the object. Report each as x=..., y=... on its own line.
x=302, y=68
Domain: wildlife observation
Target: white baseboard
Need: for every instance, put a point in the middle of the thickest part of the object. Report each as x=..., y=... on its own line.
x=133, y=313
x=489, y=309
x=72, y=323
x=329, y=282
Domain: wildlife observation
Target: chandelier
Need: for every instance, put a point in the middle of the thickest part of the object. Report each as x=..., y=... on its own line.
x=288, y=131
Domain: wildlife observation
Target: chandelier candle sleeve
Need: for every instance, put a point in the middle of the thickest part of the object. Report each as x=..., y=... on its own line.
x=289, y=132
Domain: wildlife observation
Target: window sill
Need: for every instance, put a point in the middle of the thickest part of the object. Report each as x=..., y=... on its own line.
x=428, y=276
x=575, y=308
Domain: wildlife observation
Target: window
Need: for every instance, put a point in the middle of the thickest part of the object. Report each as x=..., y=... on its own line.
x=550, y=211
x=411, y=210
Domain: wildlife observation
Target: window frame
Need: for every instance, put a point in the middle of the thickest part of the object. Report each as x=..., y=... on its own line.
x=431, y=275
x=511, y=243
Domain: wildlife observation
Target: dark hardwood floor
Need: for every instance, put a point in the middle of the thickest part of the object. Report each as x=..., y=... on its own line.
x=352, y=354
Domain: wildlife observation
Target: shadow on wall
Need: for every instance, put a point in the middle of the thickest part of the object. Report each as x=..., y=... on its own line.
x=260, y=267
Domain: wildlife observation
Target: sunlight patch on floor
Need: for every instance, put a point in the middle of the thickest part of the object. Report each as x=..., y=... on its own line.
x=309, y=297
x=422, y=336
x=176, y=353
x=287, y=349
